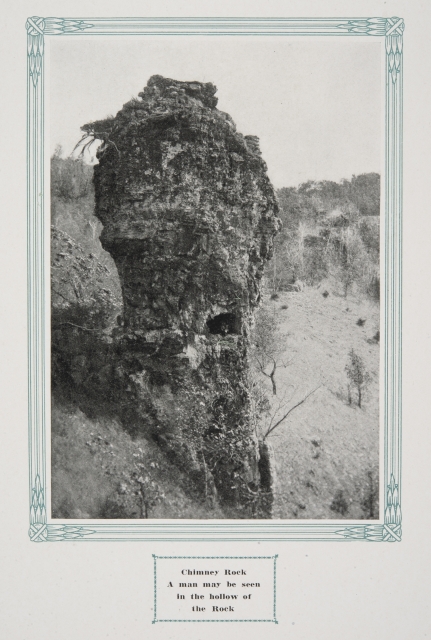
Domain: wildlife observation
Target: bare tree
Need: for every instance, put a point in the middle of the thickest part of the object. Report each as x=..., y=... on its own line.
x=268, y=345
x=281, y=413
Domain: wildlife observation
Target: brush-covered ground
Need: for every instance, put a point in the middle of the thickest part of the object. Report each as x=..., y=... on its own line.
x=327, y=450
x=100, y=471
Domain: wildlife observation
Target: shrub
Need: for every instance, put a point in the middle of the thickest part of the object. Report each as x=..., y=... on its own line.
x=373, y=287
x=370, y=235
x=339, y=503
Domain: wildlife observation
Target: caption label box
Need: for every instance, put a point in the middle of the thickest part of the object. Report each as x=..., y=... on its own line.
x=214, y=589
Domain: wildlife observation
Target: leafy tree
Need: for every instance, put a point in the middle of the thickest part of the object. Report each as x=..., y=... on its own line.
x=308, y=202
x=358, y=375
x=365, y=193
x=70, y=178
x=296, y=206
x=348, y=259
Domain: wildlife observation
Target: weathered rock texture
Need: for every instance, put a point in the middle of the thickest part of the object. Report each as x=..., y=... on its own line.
x=189, y=217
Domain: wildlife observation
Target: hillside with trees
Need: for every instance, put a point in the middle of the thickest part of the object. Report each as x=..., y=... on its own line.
x=315, y=366
x=330, y=230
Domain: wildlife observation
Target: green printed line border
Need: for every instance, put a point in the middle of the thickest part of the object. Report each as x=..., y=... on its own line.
x=389, y=31
x=274, y=558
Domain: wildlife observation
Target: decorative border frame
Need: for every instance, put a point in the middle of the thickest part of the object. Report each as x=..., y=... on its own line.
x=274, y=606
x=389, y=29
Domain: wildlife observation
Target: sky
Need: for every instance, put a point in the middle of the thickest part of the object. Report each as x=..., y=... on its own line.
x=315, y=104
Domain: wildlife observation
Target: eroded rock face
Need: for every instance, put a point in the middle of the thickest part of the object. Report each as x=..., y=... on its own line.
x=189, y=217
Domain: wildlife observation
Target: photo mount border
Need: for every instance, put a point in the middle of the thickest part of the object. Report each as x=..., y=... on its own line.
x=388, y=29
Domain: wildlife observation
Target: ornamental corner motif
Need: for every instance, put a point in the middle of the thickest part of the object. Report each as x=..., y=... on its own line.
x=390, y=530
x=391, y=28
x=392, y=525
x=38, y=528
x=394, y=45
x=37, y=28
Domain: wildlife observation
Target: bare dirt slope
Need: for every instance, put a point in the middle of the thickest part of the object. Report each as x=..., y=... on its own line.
x=326, y=452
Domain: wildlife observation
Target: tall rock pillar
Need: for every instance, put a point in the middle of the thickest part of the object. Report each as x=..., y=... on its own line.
x=189, y=217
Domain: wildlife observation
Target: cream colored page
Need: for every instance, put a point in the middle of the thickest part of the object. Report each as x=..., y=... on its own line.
x=345, y=590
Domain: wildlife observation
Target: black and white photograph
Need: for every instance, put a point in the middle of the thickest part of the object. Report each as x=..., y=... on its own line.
x=215, y=278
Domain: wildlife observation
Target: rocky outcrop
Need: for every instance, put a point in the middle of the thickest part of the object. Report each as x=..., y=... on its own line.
x=189, y=217
x=85, y=302
x=267, y=476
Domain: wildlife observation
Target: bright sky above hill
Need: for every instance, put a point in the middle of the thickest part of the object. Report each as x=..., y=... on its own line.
x=315, y=104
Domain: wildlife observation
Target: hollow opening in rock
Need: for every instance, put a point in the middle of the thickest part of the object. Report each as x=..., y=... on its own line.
x=223, y=324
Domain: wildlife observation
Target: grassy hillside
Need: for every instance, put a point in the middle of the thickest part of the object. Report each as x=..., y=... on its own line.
x=326, y=452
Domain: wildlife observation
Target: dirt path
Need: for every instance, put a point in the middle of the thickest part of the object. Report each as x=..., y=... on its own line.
x=326, y=452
